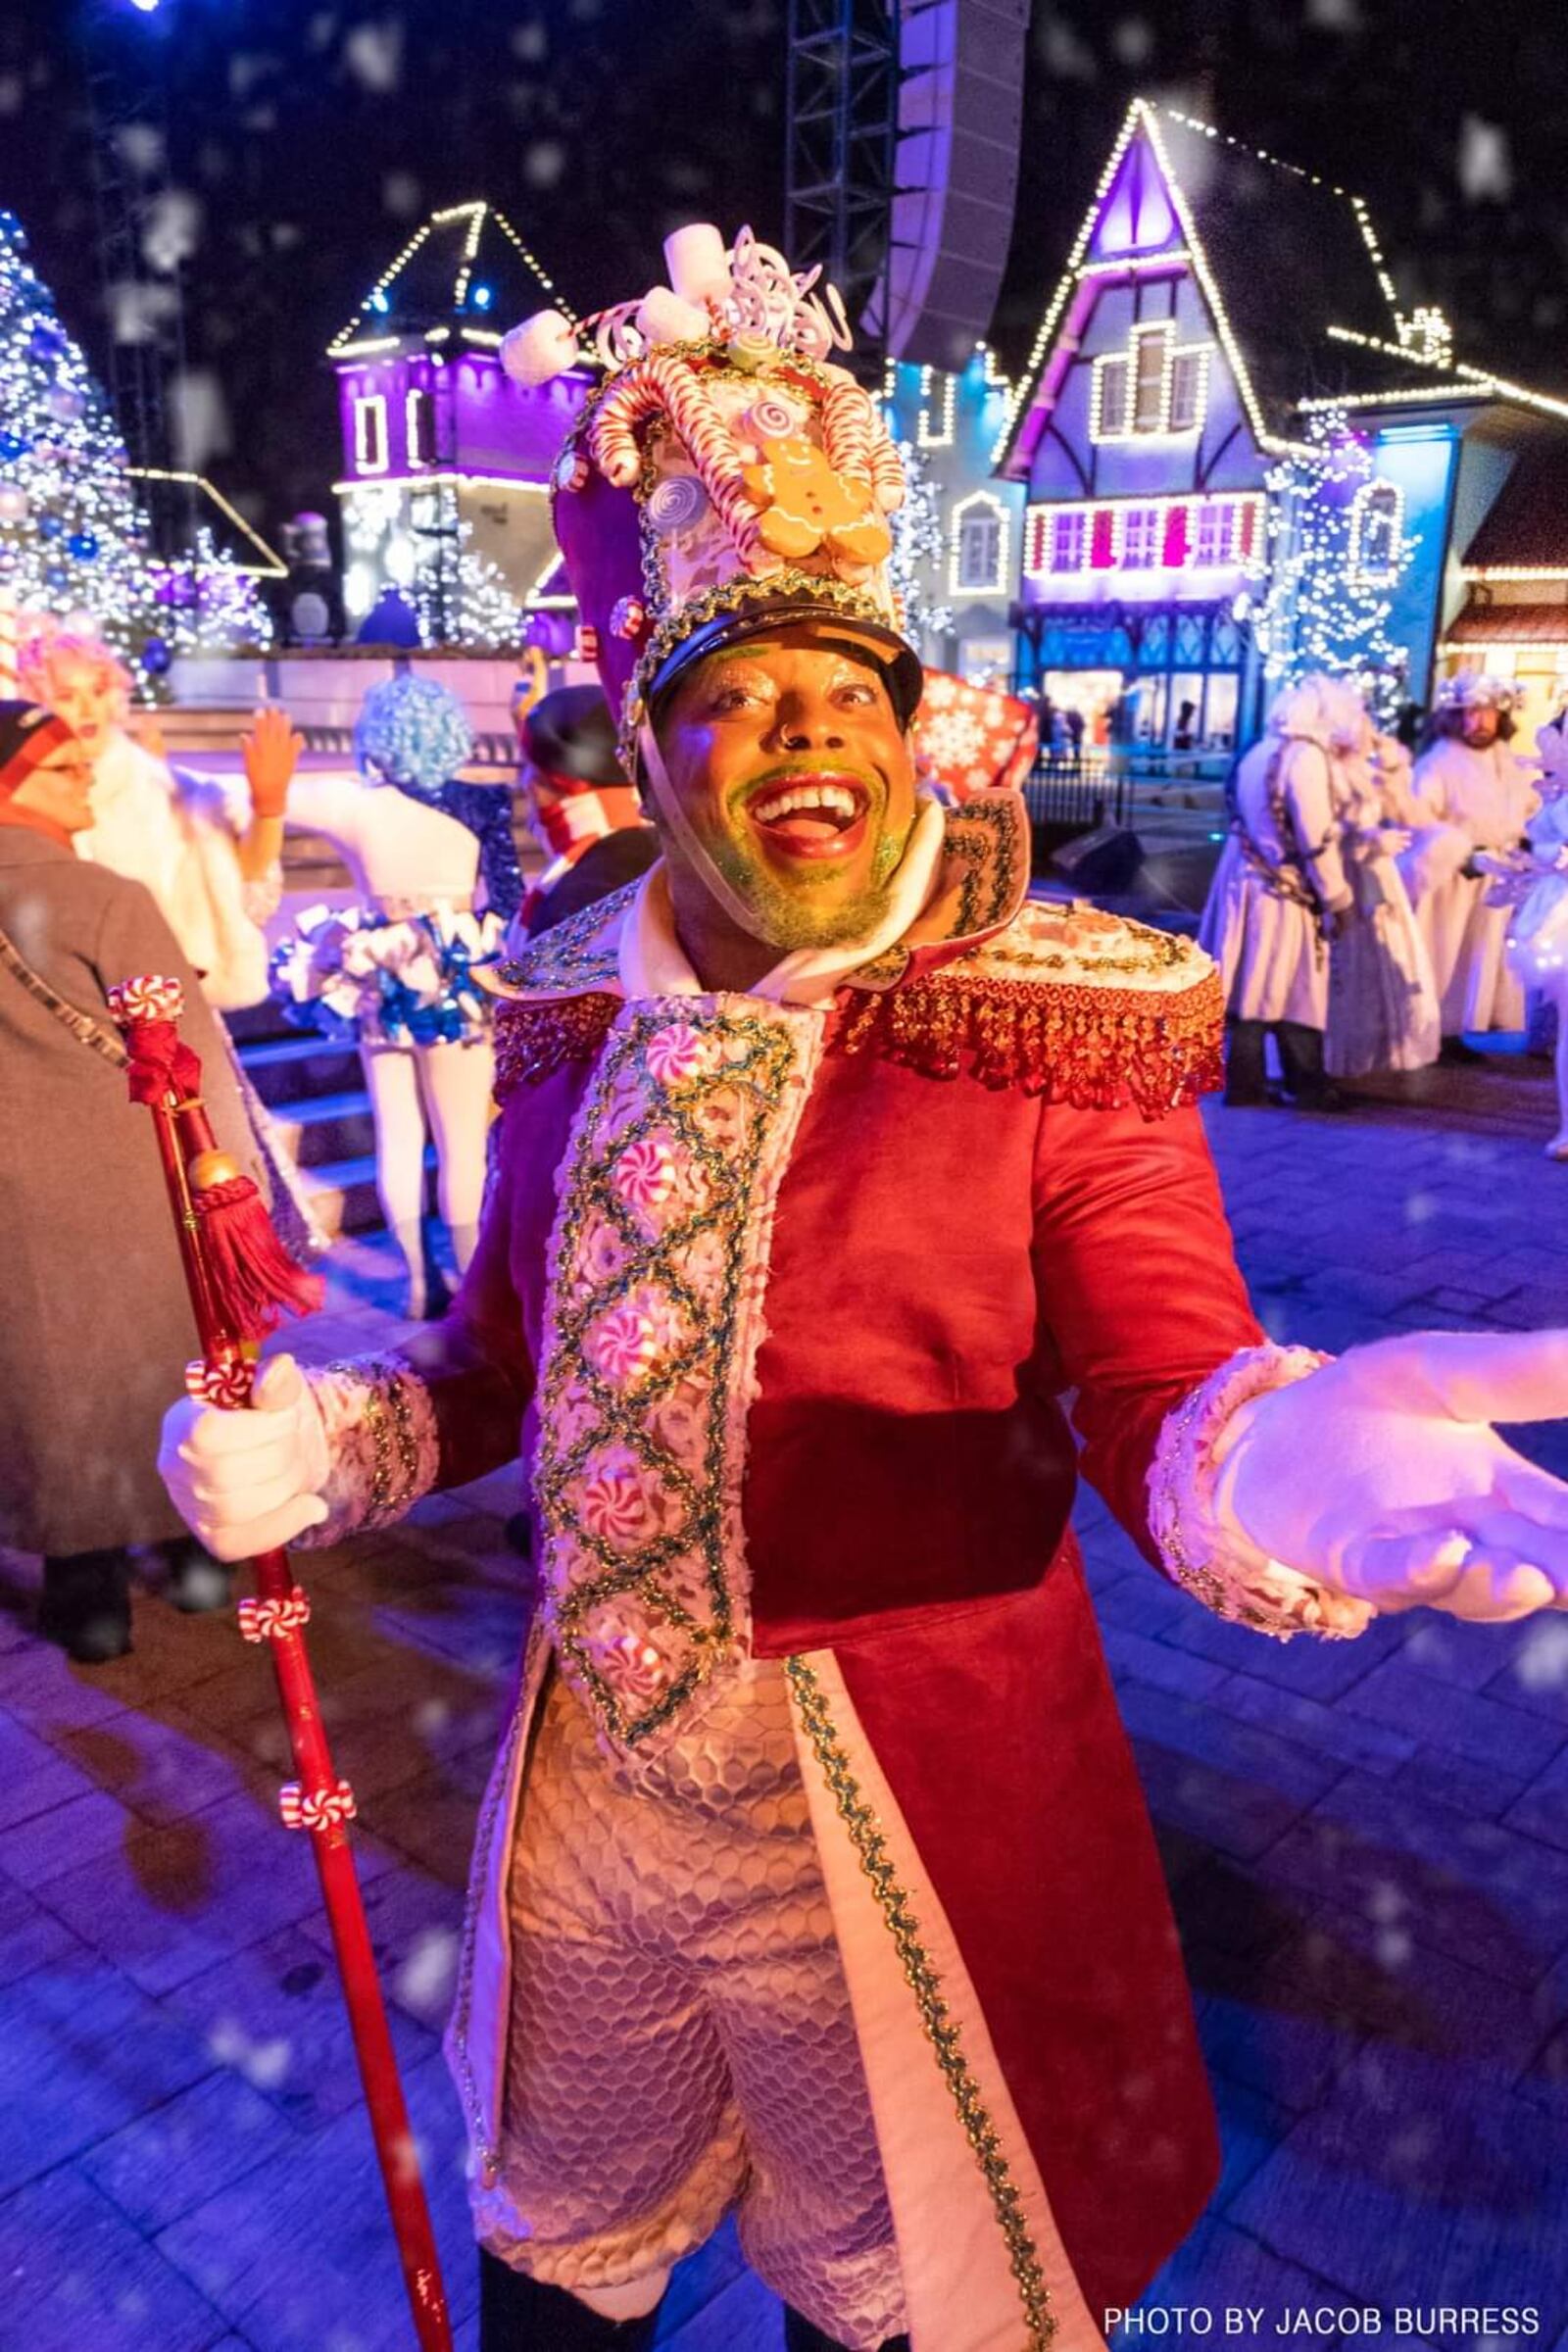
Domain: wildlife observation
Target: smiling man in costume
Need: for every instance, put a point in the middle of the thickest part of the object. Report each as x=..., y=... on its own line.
x=813, y=1881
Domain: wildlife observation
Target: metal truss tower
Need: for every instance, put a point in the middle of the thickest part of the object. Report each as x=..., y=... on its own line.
x=843, y=100
x=125, y=68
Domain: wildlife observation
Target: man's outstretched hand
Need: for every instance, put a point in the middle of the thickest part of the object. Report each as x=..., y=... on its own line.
x=1382, y=1474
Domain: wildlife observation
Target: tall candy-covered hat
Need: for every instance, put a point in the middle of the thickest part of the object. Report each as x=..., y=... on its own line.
x=726, y=477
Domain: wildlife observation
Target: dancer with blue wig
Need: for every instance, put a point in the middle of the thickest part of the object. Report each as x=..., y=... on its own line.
x=436, y=869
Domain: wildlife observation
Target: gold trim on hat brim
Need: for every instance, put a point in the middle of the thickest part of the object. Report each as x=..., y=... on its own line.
x=748, y=606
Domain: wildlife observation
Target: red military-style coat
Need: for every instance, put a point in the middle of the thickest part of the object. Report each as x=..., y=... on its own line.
x=973, y=1206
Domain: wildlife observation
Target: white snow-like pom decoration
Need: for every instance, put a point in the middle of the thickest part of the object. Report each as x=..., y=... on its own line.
x=663, y=318
x=542, y=348
x=697, y=262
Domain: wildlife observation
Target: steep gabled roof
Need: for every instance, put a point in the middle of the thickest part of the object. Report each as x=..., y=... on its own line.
x=1280, y=257
x=1289, y=255
x=466, y=266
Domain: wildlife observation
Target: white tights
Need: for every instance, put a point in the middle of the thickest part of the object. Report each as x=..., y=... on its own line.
x=446, y=1089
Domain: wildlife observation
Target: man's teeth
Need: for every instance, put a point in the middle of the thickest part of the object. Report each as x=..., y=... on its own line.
x=836, y=798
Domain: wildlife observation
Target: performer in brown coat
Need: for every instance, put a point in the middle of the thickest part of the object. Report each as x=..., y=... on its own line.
x=96, y=1325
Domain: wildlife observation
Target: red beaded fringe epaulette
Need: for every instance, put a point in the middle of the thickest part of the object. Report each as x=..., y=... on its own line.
x=1090, y=1047
x=1087, y=1047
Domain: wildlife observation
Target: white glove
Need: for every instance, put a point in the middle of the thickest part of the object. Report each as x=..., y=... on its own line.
x=248, y=1482
x=1382, y=1475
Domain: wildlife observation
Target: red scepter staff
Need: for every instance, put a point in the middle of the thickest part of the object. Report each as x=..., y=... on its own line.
x=240, y=1281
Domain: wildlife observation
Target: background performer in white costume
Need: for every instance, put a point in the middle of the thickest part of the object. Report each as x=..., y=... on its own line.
x=1280, y=893
x=1470, y=778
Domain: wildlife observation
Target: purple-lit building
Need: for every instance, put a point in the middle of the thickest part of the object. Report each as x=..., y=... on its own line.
x=1214, y=299
x=446, y=462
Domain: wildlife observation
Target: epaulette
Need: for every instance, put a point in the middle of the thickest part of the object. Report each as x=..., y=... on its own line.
x=1082, y=1008
x=574, y=957
x=557, y=1000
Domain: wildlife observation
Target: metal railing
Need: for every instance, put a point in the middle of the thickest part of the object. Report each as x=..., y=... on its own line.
x=1066, y=795
x=492, y=749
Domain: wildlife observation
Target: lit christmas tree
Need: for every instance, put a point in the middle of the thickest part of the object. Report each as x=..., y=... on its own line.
x=1334, y=552
x=73, y=537
x=206, y=603
x=920, y=548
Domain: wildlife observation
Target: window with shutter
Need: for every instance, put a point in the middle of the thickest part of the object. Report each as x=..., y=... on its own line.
x=419, y=428
x=1216, y=531
x=1148, y=396
x=1188, y=369
x=370, y=433
x=1139, y=542
x=1110, y=420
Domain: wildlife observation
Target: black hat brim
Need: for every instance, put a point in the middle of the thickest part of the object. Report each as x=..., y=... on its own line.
x=902, y=667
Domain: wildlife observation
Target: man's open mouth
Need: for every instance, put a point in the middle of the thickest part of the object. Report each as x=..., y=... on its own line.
x=812, y=815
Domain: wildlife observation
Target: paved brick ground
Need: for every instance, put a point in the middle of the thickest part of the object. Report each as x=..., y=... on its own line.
x=1368, y=1847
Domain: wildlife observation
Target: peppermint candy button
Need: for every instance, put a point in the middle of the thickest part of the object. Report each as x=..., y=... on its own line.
x=570, y=469
x=674, y=1053
x=646, y=1175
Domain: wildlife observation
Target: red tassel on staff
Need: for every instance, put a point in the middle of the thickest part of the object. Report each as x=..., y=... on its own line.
x=254, y=1279
x=241, y=1282
x=251, y=1281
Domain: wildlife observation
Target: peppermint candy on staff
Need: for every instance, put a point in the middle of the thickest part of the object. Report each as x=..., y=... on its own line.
x=315, y=1808
x=145, y=1010
x=147, y=996
x=226, y=1385
x=271, y=1620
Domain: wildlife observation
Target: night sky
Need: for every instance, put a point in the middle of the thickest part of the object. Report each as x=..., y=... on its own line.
x=309, y=136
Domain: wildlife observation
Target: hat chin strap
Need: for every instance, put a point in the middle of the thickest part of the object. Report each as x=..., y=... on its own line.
x=718, y=887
